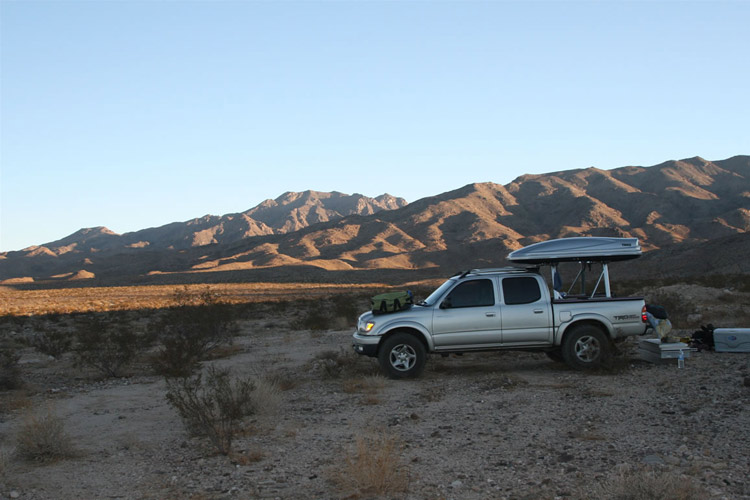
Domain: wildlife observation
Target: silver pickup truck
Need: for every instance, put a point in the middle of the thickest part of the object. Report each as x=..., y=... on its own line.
x=499, y=309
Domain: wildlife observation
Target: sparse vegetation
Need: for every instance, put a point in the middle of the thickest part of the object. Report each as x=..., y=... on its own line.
x=215, y=406
x=503, y=381
x=643, y=484
x=334, y=364
x=52, y=341
x=107, y=344
x=43, y=439
x=10, y=373
x=375, y=467
x=189, y=331
x=334, y=312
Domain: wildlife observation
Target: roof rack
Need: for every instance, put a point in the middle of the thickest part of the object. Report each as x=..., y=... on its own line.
x=493, y=270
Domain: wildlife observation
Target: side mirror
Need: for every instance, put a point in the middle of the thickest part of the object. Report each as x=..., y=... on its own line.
x=446, y=304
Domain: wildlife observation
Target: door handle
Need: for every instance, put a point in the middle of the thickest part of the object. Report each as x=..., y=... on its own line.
x=490, y=315
x=538, y=311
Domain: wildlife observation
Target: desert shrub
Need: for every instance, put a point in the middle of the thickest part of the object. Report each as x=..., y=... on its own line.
x=503, y=381
x=214, y=406
x=4, y=462
x=10, y=373
x=189, y=331
x=336, y=311
x=283, y=379
x=332, y=364
x=108, y=345
x=643, y=484
x=43, y=439
x=51, y=341
x=375, y=467
x=740, y=282
x=313, y=318
x=366, y=384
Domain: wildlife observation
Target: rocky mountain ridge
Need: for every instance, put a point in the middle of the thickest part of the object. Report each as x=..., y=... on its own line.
x=688, y=202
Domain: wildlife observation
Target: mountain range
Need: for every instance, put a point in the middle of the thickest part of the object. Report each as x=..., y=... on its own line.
x=675, y=208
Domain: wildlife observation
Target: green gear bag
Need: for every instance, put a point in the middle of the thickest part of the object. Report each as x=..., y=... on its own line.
x=391, y=302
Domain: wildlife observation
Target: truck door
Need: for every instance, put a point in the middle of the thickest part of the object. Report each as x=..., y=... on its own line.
x=468, y=315
x=525, y=311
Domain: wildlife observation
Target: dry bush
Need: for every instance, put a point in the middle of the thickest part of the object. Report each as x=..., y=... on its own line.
x=247, y=457
x=333, y=364
x=10, y=373
x=215, y=406
x=335, y=312
x=367, y=384
x=432, y=394
x=375, y=467
x=283, y=378
x=50, y=337
x=503, y=381
x=265, y=397
x=188, y=332
x=4, y=461
x=14, y=401
x=313, y=319
x=43, y=439
x=52, y=342
x=643, y=484
x=108, y=344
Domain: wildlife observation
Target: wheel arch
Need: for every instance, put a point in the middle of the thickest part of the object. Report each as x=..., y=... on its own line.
x=409, y=330
x=595, y=321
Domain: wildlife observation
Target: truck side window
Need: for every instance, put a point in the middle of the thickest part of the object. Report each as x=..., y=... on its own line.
x=522, y=290
x=473, y=293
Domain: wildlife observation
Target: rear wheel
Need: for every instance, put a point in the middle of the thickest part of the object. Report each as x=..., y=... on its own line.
x=402, y=356
x=585, y=347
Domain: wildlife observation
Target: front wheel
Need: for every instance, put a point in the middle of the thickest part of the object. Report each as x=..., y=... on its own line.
x=402, y=356
x=585, y=347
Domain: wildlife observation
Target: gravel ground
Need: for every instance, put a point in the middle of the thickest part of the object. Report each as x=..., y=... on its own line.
x=506, y=425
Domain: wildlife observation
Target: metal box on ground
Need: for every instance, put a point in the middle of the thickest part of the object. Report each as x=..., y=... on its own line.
x=655, y=351
x=732, y=340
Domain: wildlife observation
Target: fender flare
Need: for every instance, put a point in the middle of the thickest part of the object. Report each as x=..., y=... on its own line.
x=590, y=318
x=412, y=327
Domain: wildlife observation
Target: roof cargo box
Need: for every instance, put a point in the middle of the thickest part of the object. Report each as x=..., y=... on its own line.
x=732, y=340
x=583, y=248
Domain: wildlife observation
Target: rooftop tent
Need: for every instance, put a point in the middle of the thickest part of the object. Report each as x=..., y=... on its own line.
x=579, y=249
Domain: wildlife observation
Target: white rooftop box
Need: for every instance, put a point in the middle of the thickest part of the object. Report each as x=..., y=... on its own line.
x=582, y=248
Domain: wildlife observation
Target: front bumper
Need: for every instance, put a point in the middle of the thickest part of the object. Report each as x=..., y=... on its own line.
x=366, y=345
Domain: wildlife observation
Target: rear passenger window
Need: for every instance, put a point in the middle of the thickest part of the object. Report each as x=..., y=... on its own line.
x=522, y=290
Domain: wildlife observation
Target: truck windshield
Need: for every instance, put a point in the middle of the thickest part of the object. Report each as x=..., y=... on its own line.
x=435, y=296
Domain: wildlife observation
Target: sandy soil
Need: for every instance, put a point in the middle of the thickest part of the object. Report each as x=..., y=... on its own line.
x=493, y=425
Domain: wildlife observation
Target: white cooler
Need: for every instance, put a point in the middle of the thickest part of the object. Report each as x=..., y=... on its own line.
x=732, y=340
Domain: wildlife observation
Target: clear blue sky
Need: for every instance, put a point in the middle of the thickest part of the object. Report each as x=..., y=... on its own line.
x=134, y=114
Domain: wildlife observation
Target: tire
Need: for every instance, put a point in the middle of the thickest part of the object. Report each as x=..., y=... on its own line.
x=402, y=356
x=585, y=347
x=555, y=356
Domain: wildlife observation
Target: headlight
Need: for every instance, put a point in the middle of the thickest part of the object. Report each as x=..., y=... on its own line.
x=367, y=327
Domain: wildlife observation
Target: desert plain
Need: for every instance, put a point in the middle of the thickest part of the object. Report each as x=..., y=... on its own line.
x=510, y=425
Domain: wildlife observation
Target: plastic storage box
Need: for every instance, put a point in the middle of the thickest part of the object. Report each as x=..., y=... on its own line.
x=732, y=340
